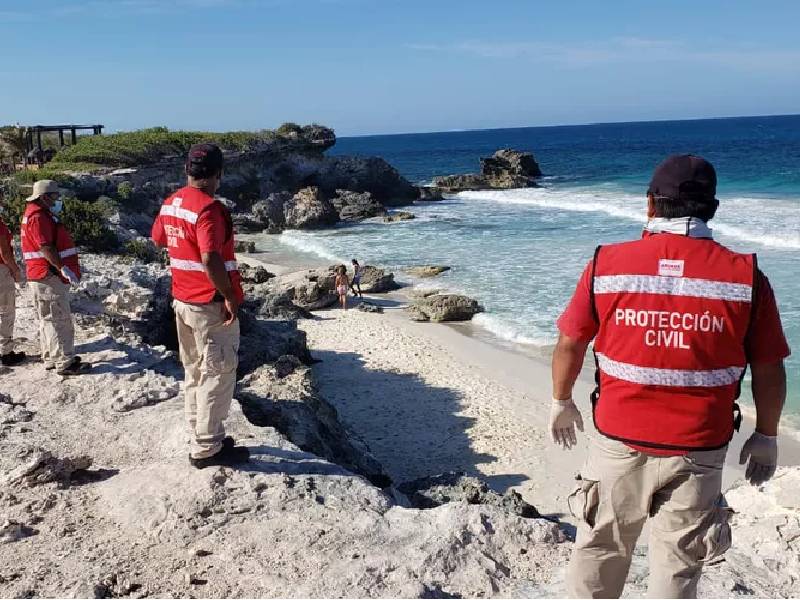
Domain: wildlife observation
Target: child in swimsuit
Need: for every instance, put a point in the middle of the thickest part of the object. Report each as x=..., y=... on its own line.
x=341, y=283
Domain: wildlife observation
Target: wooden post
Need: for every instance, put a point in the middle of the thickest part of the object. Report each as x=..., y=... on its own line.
x=74, y=136
x=39, y=157
x=60, y=137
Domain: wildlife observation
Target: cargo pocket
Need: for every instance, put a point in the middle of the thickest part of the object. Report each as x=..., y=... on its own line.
x=583, y=502
x=220, y=358
x=717, y=538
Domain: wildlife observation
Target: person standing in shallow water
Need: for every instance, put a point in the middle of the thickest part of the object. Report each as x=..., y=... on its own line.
x=355, y=285
x=341, y=285
x=676, y=318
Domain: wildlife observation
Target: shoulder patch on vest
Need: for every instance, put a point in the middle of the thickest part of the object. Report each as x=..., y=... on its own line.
x=670, y=268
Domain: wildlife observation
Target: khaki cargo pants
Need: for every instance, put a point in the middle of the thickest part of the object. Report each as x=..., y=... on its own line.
x=56, y=330
x=7, y=310
x=619, y=490
x=208, y=351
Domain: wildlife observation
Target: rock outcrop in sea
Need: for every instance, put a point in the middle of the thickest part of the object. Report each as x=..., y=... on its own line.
x=505, y=169
x=431, y=305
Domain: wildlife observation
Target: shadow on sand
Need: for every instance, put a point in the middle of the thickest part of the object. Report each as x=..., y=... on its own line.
x=414, y=429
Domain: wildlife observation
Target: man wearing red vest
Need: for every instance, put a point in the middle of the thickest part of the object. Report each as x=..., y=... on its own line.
x=676, y=318
x=197, y=231
x=9, y=275
x=51, y=261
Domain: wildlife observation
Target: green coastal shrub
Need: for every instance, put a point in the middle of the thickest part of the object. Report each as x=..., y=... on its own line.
x=289, y=129
x=12, y=203
x=149, y=146
x=144, y=251
x=88, y=224
x=86, y=221
x=29, y=176
x=125, y=191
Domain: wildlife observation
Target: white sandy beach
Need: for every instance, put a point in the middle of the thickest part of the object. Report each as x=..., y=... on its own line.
x=430, y=398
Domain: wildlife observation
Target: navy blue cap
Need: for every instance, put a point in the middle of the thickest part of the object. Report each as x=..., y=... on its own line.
x=204, y=160
x=684, y=177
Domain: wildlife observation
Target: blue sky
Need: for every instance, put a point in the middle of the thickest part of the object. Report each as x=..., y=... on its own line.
x=381, y=66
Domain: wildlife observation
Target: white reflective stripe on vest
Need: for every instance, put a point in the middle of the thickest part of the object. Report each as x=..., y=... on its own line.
x=668, y=377
x=179, y=213
x=673, y=286
x=193, y=265
x=62, y=254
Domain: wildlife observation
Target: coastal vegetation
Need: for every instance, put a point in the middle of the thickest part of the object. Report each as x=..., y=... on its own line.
x=150, y=146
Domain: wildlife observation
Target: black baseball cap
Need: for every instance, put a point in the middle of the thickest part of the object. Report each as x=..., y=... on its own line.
x=684, y=177
x=204, y=160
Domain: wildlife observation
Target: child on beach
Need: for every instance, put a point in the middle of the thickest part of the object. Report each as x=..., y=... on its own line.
x=355, y=285
x=341, y=284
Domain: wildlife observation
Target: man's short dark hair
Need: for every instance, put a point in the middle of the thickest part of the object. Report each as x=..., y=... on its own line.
x=675, y=208
x=684, y=185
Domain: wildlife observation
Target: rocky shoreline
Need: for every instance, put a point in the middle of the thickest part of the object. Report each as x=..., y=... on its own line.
x=98, y=499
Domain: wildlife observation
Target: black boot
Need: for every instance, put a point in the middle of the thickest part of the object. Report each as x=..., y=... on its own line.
x=74, y=367
x=12, y=358
x=229, y=455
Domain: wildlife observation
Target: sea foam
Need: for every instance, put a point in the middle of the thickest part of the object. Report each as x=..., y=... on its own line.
x=770, y=222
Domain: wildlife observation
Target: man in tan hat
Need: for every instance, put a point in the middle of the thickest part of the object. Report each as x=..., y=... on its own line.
x=9, y=274
x=51, y=260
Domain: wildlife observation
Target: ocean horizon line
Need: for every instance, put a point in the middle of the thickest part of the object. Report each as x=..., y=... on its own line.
x=566, y=125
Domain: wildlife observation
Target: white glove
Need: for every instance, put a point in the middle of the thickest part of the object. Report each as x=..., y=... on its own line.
x=564, y=416
x=762, y=450
x=67, y=274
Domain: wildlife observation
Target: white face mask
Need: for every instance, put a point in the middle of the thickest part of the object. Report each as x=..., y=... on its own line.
x=57, y=206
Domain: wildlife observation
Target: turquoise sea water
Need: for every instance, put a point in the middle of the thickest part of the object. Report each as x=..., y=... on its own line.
x=521, y=251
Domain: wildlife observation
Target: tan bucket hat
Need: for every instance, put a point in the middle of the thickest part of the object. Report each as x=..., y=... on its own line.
x=41, y=187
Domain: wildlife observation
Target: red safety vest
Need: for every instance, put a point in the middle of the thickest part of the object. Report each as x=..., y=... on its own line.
x=178, y=217
x=36, y=265
x=673, y=314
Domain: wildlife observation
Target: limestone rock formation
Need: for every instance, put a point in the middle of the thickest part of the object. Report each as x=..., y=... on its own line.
x=428, y=193
x=416, y=314
x=426, y=271
x=245, y=246
x=312, y=289
x=443, y=307
x=368, y=307
x=429, y=492
x=356, y=206
x=400, y=215
x=309, y=209
x=257, y=274
x=366, y=174
x=306, y=419
x=259, y=183
x=377, y=281
x=764, y=559
x=505, y=169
